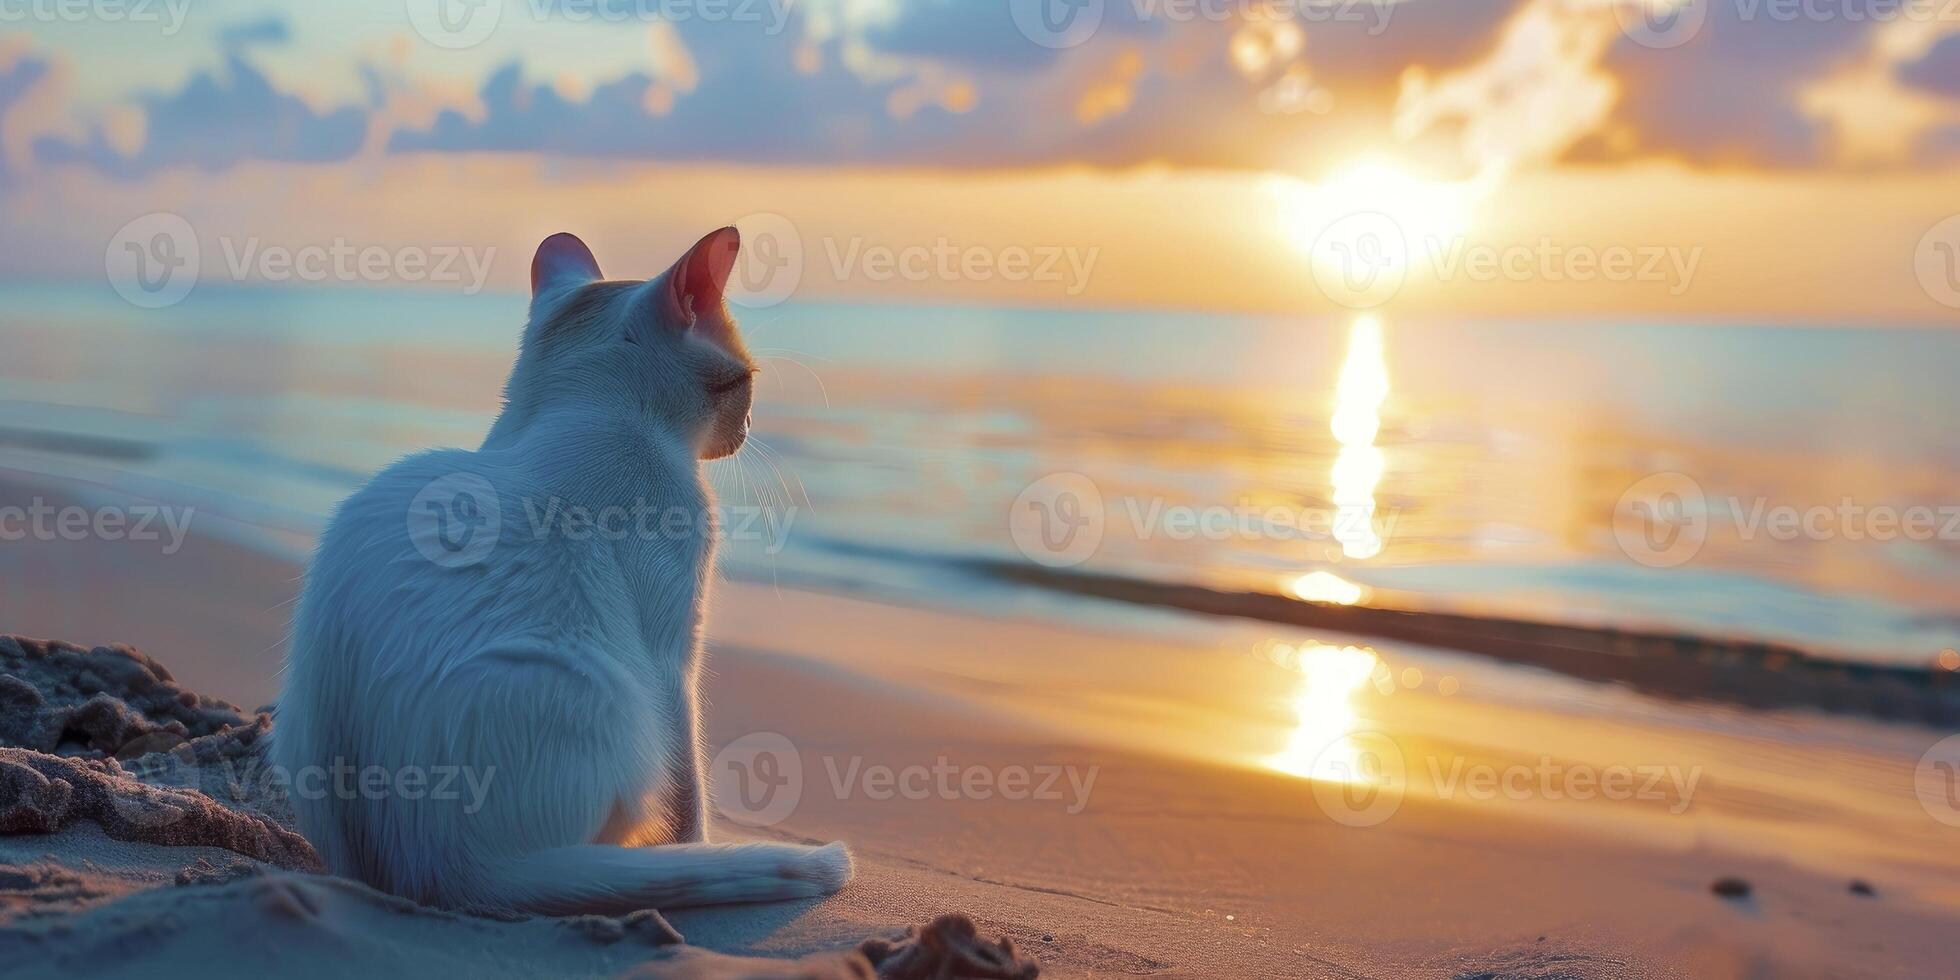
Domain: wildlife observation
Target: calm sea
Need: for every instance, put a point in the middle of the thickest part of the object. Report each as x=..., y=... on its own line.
x=1796, y=484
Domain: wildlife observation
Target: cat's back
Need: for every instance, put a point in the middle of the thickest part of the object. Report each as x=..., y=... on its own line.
x=418, y=551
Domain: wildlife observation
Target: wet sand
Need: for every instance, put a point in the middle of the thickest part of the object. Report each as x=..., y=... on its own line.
x=1189, y=852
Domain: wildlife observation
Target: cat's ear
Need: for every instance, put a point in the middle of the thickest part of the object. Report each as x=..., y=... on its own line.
x=690, y=294
x=562, y=260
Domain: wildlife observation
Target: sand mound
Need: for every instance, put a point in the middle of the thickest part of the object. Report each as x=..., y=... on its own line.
x=41, y=794
x=63, y=699
x=105, y=735
x=100, y=747
x=949, y=946
x=282, y=924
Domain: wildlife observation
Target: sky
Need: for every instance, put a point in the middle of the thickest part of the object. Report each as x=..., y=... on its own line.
x=1731, y=159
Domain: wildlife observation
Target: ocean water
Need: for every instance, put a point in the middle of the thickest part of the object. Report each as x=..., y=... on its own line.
x=1464, y=466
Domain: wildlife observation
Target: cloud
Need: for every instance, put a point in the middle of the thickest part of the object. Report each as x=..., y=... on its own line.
x=983, y=35
x=1939, y=71
x=218, y=119
x=1871, y=114
x=955, y=84
x=1538, y=92
x=739, y=96
x=265, y=30
x=979, y=35
x=20, y=75
x=1734, y=94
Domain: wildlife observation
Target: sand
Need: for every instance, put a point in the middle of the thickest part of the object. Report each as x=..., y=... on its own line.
x=140, y=840
x=1185, y=857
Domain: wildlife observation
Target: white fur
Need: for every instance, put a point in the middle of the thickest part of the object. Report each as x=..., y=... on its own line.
x=562, y=672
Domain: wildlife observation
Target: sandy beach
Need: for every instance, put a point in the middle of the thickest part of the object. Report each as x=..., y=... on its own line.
x=981, y=490
x=1119, y=810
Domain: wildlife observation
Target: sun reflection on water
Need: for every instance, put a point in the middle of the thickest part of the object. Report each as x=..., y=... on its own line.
x=1324, y=586
x=1320, y=746
x=1357, y=418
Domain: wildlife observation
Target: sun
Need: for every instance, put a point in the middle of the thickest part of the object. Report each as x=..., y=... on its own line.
x=1424, y=210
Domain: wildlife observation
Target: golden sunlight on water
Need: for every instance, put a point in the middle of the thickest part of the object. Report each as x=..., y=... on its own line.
x=1328, y=587
x=1358, y=467
x=1320, y=747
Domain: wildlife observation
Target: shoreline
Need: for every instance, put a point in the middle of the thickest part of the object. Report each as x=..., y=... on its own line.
x=1193, y=855
x=1747, y=673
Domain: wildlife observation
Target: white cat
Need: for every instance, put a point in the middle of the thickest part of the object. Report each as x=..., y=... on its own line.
x=444, y=635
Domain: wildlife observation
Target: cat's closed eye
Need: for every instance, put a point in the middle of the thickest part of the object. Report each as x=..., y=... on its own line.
x=728, y=384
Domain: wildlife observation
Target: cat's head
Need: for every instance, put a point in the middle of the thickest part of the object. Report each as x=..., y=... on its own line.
x=664, y=349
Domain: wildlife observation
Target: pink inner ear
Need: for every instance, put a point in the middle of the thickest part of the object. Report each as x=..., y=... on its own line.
x=700, y=280
x=561, y=258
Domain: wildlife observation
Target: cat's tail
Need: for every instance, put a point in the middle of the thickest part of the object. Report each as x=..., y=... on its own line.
x=605, y=879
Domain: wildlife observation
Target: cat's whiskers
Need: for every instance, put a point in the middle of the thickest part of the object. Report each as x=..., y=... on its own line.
x=789, y=356
x=771, y=456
